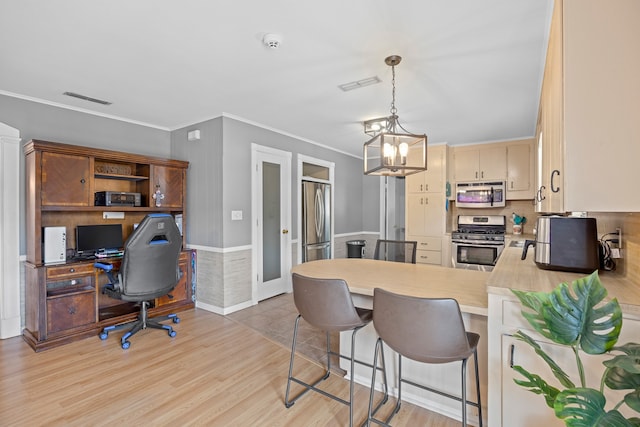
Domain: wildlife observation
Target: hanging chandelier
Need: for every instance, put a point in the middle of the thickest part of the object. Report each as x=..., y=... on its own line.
x=391, y=152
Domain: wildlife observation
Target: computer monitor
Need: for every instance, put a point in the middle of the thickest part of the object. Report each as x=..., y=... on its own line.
x=96, y=238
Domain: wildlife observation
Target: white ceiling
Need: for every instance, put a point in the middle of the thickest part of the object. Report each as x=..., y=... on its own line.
x=471, y=69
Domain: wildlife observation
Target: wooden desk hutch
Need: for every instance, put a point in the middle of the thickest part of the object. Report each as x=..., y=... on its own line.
x=63, y=302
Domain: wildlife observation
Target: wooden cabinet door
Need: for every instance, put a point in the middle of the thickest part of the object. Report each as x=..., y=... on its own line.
x=493, y=163
x=425, y=214
x=415, y=183
x=430, y=181
x=415, y=223
x=181, y=292
x=65, y=180
x=550, y=169
x=170, y=182
x=521, y=407
x=519, y=171
x=435, y=168
x=465, y=165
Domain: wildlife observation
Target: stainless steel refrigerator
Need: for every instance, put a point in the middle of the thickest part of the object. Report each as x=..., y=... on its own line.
x=316, y=221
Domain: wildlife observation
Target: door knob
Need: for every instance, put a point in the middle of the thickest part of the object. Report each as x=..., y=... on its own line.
x=285, y=231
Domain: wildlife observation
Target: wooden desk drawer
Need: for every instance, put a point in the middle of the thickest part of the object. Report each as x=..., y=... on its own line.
x=69, y=270
x=69, y=311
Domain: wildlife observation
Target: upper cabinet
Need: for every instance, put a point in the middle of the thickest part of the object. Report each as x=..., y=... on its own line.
x=511, y=161
x=587, y=133
x=65, y=180
x=432, y=180
x=168, y=186
x=520, y=177
x=62, y=181
x=425, y=208
x=480, y=163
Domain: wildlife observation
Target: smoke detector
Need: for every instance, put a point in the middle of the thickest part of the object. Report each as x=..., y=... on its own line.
x=272, y=41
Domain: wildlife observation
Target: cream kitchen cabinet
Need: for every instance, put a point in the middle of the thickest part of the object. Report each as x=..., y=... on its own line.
x=511, y=404
x=520, y=176
x=425, y=197
x=425, y=214
x=428, y=250
x=480, y=163
x=588, y=122
x=433, y=179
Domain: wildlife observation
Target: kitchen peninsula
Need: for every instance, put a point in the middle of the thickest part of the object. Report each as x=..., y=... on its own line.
x=421, y=280
x=508, y=403
x=490, y=309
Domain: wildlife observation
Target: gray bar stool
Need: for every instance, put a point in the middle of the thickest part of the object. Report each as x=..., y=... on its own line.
x=427, y=330
x=326, y=304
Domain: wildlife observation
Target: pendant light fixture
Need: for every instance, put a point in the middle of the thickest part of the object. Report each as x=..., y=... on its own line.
x=391, y=152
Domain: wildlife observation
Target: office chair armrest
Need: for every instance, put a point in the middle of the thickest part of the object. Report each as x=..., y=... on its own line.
x=108, y=269
x=103, y=266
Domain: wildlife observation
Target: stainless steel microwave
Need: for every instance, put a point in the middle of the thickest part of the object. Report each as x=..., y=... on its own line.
x=489, y=194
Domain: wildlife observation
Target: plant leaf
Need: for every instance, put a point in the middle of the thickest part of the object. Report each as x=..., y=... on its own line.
x=633, y=400
x=575, y=315
x=557, y=371
x=536, y=385
x=635, y=422
x=618, y=378
x=584, y=407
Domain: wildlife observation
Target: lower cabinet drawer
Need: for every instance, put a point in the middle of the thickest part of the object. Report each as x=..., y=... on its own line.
x=429, y=257
x=69, y=311
x=427, y=243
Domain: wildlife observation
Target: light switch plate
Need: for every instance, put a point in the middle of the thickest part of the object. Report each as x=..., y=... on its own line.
x=236, y=215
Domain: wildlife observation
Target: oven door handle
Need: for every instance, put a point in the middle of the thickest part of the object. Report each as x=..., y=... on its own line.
x=491, y=200
x=477, y=244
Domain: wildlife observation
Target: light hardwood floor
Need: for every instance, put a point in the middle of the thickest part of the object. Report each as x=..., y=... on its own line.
x=216, y=372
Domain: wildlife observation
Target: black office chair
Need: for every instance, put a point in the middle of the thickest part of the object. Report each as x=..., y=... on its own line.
x=149, y=270
x=396, y=250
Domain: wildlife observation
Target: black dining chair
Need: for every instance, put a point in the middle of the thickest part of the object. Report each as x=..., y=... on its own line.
x=396, y=250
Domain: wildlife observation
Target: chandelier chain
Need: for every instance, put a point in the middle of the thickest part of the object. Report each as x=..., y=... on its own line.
x=394, y=110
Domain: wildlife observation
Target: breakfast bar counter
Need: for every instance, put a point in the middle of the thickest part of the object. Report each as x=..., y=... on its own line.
x=420, y=280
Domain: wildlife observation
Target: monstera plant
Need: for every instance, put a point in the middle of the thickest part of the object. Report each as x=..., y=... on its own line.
x=578, y=316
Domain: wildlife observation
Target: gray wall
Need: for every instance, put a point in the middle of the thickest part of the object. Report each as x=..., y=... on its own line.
x=220, y=181
x=204, y=181
x=219, y=175
x=49, y=123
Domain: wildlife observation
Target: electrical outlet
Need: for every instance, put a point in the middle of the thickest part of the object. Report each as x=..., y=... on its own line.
x=615, y=253
x=619, y=230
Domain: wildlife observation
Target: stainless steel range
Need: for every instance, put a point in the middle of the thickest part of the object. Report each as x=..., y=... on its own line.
x=478, y=241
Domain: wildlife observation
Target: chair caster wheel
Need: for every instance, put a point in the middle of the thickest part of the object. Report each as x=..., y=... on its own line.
x=104, y=336
x=126, y=345
x=176, y=320
x=172, y=334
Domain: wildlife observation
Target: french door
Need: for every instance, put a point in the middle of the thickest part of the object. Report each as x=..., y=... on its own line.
x=272, y=217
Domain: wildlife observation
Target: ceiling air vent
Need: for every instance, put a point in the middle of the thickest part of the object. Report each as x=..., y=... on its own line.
x=360, y=83
x=87, y=98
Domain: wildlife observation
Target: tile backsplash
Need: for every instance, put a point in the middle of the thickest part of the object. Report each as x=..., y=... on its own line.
x=628, y=266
